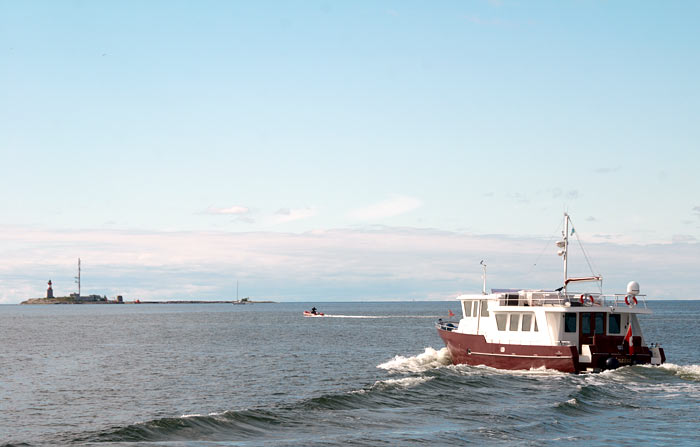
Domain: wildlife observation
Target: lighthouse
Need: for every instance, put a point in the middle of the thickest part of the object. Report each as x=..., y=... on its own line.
x=49, y=291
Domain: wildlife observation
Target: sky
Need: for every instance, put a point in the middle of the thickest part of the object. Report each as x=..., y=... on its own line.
x=323, y=150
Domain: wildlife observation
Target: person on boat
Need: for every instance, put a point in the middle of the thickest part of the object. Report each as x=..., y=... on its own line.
x=313, y=310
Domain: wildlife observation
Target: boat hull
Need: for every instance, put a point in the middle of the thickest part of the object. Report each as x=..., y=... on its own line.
x=474, y=350
x=471, y=349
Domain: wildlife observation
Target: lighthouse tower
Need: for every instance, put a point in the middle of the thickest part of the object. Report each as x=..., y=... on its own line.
x=49, y=291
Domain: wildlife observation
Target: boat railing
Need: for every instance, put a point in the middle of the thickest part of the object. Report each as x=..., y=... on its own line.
x=584, y=299
x=610, y=300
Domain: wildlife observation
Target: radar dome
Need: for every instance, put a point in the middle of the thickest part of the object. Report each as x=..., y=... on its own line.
x=633, y=288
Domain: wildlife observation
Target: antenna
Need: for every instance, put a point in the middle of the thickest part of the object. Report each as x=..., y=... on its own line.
x=483, y=277
x=566, y=249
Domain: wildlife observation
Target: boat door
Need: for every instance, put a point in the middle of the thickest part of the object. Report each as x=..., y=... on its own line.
x=590, y=323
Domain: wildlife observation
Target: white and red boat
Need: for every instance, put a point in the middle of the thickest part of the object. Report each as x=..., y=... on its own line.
x=308, y=313
x=555, y=329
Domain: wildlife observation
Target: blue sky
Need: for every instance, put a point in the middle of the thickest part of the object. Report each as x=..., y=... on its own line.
x=313, y=127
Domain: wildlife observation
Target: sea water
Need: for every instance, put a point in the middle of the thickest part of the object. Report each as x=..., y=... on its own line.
x=370, y=374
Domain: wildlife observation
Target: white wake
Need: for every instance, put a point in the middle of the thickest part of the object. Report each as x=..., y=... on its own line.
x=406, y=382
x=689, y=372
x=430, y=359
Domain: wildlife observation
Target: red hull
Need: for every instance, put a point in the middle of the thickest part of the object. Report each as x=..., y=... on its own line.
x=475, y=350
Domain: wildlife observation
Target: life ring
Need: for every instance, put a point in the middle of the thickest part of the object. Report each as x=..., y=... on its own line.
x=583, y=297
x=633, y=300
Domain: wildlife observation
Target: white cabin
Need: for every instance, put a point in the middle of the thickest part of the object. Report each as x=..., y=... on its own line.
x=547, y=318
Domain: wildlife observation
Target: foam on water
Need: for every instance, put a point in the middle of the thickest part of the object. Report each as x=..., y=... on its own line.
x=430, y=359
x=669, y=390
x=688, y=372
x=196, y=415
x=480, y=369
x=406, y=382
x=388, y=384
x=569, y=404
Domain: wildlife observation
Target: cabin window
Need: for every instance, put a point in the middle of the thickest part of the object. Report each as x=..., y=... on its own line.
x=599, y=323
x=614, y=323
x=484, y=309
x=586, y=323
x=512, y=299
x=527, y=321
x=475, y=309
x=501, y=321
x=467, y=305
x=569, y=322
x=514, y=321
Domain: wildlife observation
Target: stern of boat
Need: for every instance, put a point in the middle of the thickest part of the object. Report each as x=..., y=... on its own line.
x=611, y=352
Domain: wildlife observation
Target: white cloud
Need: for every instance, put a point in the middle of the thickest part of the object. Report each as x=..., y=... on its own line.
x=377, y=263
x=518, y=197
x=391, y=207
x=608, y=169
x=285, y=215
x=683, y=238
x=236, y=209
x=558, y=193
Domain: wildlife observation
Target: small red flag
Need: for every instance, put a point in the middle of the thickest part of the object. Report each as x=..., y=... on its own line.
x=628, y=338
x=450, y=314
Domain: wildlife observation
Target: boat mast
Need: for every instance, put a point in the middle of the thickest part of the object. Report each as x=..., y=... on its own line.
x=566, y=250
x=483, y=277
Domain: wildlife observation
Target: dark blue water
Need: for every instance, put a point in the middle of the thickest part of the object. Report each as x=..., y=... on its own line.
x=262, y=375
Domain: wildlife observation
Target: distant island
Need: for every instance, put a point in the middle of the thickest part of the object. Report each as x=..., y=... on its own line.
x=71, y=300
x=77, y=298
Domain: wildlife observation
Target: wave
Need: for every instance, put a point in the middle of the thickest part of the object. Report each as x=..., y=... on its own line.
x=601, y=392
x=428, y=378
x=406, y=382
x=532, y=372
x=687, y=372
x=243, y=424
x=429, y=359
x=262, y=422
x=394, y=384
x=571, y=407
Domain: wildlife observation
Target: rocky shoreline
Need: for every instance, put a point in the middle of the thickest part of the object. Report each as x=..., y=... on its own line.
x=70, y=300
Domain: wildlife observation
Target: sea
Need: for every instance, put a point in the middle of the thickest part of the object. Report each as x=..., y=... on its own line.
x=370, y=374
